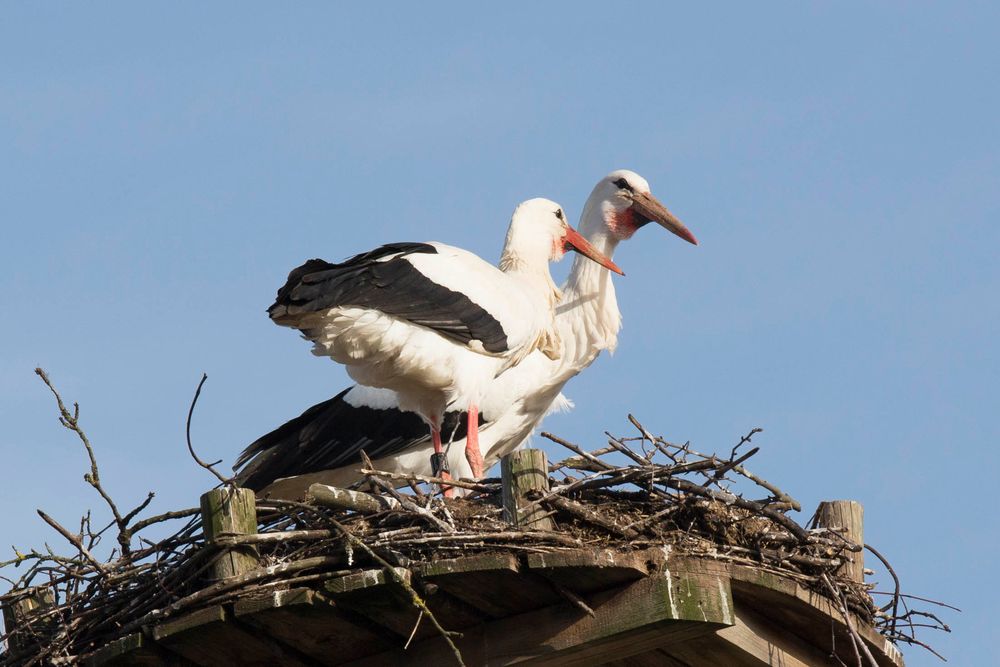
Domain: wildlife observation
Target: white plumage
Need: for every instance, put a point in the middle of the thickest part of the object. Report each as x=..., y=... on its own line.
x=434, y=323
x=321, y=445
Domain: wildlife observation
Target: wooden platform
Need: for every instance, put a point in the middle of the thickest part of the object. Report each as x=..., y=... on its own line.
x=582, y=607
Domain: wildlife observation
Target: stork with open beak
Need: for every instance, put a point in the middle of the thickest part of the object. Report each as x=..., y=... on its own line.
x=323, y=444
x=435, y=323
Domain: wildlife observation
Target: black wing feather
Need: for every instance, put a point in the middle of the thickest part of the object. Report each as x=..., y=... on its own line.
x=331, y=435
x=393, y=286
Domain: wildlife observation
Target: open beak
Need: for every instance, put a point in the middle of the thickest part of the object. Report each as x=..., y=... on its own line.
x=649, y=209
x=573, y=241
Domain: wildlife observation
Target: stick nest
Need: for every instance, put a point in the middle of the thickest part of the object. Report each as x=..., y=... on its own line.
x=635, y=493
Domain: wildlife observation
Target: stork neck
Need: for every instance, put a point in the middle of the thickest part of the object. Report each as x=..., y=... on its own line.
x=588, y=317
x=586, y=272
x=535, y=275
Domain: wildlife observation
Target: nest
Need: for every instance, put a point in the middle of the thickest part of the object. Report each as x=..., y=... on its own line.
x=637, y=492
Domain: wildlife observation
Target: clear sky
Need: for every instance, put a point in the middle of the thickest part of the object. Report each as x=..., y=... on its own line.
x=165, y=164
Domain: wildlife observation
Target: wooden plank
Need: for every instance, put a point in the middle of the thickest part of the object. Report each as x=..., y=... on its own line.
x=590, y=570
x=654, y=658
x=208, y=637
x=375, y=596
x=640, y=617
x=135, y=649
x=312, y=624
x=769, y=644
x=752, y=642
x=476, y=580
x=808, y=614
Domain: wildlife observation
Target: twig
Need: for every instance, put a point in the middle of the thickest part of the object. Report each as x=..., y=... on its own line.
x=573, y=448
x=423, y=479
x=166, y=516
x=207, y=466
x=590, y=516
x=859, y=643
x=75, y=541
x=413, y=633
x=71, y=421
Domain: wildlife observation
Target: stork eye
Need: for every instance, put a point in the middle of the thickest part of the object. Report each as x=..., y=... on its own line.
x=559, y=214
x=623, y=184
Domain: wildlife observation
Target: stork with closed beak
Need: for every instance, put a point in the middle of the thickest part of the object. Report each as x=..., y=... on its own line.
x=434, y=323
x=323, y=443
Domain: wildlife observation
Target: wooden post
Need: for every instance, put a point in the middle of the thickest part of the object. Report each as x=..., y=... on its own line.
x=522, y=472
x=230, y=511
x=17, y=610
x=850, y=515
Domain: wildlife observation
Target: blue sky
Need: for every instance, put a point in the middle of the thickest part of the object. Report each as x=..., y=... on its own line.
x=165, y=165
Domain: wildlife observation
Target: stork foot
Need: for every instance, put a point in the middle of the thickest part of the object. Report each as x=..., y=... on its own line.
x=475, y=459
x=472, y=453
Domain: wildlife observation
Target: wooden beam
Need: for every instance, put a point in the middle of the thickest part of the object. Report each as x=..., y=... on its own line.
x=135, y=649
x=805, y=613
x=211, y=637
x=590, y=570
x=476, y=579
x=752, y=642
x=653, y=612
x=375, y=595
x=303, y=618
x=523, y=472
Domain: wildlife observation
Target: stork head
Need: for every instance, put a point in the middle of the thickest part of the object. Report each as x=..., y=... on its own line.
x=539, y=233
x=622, y=203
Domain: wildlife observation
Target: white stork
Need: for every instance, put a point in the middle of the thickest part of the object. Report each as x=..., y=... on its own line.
x=434, y=323
x=323, y=444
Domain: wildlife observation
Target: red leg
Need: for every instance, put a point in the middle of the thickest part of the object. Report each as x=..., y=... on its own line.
x=440, y=463
x=472, y=453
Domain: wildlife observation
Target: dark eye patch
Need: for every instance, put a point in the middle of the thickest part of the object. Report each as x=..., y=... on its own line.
x=559, y=214
x=623, y=184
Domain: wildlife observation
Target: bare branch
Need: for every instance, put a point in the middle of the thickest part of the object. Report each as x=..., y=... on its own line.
x=207, y=466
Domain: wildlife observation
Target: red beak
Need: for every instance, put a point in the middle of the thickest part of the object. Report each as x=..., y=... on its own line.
x=573, y=241
x=649, y=209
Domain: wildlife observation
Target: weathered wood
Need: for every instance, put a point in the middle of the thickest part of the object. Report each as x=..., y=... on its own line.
x=210, y=637
x=752, y=642
x=653, y=612
x=345, y=499
x=522, y=472
x=226, y=512
x=476, y=580
x=849, y=515
x=135, y=649
x=675, y=616
x=303, y=618
x=376, y=596
x=802, y=612
x=655, y=658
x=17, y=613
x=590, y=570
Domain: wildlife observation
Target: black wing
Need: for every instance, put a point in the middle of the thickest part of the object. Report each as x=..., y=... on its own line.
x=393, y=286
x=332, y=435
